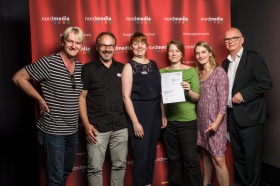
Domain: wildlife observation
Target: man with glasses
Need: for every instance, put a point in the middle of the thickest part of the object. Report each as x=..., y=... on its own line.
x=102, y=112
x=249, y=80
x=59, y=76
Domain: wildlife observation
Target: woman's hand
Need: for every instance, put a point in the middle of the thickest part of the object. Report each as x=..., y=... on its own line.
x=186, y=86
x=212, y=127
x=138, y=130
x=164, y=122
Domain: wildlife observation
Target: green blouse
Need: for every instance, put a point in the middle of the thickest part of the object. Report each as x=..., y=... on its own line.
x=183, y=111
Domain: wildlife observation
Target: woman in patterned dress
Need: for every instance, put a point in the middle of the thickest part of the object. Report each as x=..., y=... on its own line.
x=211, y=114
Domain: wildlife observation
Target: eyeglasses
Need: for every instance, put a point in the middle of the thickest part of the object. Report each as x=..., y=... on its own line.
x=72, y=78
x=72, y=42
x=103, y=46
x=232, y=39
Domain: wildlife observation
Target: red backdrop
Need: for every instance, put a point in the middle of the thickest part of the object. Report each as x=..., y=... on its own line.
x=161, y=20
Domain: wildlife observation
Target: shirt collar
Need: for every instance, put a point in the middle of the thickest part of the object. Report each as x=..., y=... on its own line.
x=99, y=63
x=239, y=54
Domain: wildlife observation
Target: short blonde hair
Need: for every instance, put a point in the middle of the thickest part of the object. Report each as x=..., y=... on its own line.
x=78, y=32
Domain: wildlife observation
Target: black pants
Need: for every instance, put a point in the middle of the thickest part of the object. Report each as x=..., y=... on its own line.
x=246, y=143
x=144, y=149
x=180, y=139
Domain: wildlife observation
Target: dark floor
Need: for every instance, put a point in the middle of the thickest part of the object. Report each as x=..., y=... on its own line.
x=237, y=184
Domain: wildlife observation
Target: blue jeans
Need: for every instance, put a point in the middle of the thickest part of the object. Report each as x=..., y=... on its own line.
x=60, y=152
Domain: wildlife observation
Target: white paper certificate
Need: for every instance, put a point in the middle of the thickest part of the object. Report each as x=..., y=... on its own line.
x=172, y=90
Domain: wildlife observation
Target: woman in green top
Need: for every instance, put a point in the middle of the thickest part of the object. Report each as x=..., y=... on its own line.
x=180, y=135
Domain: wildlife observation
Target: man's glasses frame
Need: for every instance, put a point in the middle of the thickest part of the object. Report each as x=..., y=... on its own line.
x=232, y=39
x=103, y=46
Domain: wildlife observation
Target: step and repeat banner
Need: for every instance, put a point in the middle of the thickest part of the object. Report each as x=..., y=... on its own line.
x=161, y=20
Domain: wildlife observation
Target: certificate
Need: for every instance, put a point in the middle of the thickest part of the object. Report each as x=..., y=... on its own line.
x=171, y=88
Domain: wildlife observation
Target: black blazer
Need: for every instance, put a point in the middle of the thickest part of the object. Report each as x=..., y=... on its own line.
x=252, y=80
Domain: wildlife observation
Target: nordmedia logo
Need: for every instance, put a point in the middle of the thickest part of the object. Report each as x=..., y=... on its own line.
x=85, y=50
x=122, y=49
x=125, y=49
x=82, y=168
x=100, y=20
x=213, y=20
x=177, y=20
x=139, y=20
x=163, y=160
x=57, y=20
x=158, y=48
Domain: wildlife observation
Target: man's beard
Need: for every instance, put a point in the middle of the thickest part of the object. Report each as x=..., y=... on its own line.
x=106, y=59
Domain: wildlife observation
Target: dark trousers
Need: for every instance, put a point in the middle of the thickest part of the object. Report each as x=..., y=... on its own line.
x=180, y=140
x=144, y=155
x=246, y=143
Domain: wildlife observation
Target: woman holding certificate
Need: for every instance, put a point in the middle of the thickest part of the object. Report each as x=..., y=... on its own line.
x=141, y=95
x=180, y=135
x=211, y=114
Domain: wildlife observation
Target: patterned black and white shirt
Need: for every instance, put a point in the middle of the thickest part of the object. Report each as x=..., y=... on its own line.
x=60, y=94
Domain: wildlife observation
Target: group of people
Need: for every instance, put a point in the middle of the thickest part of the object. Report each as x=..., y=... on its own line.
x=120, y=103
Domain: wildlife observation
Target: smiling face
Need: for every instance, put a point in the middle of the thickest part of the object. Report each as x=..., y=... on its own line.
x=72, y=45
x=138, y=45
x=202, y=55
x=233, y=40
x=138, y=48
x=72, y=40
x=106, y=48
x=174, y=54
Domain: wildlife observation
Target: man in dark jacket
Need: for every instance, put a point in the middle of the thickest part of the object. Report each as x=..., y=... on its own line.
x=249, y=79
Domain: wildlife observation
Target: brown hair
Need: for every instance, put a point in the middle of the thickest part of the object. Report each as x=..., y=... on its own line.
x=178, y=44
x=138, y=37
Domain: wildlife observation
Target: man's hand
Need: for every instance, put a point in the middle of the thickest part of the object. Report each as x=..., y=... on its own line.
x=237, y=98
